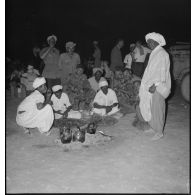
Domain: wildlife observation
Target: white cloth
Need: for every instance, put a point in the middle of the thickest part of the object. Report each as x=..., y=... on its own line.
x=103, y=82
x=61, y=105
x=97, y=69
x=38, y=82
x=32, y=117
x=138, y=57
x=156, y=37
x=51, y=37
x=94, y=84
x=105, y=100
x=128, y=61
x=56, y=88
x=157, y=72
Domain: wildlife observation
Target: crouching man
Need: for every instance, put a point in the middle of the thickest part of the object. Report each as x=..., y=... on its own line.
x=61, y=104
x=105, y=101
x=34, y=111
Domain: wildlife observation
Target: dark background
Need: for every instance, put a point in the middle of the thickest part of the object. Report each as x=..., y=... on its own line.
x=28, y=23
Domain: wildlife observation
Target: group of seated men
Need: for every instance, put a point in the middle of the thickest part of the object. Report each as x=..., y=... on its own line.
x=96, y=94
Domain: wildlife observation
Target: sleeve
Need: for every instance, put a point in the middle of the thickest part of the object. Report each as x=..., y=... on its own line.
x=126, y=59
x=114, y=97
x=66, y=100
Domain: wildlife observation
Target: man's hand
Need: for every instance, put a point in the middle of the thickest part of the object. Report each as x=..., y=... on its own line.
x=152, y=89
x=108, y=109
x=39, y=106
x=65, y=115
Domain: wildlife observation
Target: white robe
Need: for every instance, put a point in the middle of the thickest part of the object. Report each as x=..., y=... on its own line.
x=61, y=105
x=157, y=72
x=105, y=100
x=32, y=117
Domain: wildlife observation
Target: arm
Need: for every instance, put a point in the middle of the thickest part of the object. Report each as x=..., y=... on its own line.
x=43, y=53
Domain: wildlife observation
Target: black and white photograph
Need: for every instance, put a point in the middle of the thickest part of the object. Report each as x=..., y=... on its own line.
x=98, y=96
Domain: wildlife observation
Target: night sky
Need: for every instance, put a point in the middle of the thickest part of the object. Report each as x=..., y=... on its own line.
x=29, y=22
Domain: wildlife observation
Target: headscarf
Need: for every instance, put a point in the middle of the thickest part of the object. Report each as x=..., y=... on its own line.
x=56, y=88
x=97, y=69
x=70, y=44
x=156, y=37
x=38, y=82
x=103, y=83
x=51, y=37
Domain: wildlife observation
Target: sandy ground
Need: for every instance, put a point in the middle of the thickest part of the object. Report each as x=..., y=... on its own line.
x=130, y=163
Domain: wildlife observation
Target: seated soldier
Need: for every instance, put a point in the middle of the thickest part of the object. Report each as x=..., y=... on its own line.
x=105, y=102
x=61, y=104
x=79, y=90
x=34, y=111
x=28, y=78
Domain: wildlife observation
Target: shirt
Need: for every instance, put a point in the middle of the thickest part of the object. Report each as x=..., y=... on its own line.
x=67, y=63
x=128, y=60
x=51, y=69
x=116, y=58
x=138, y=57
x=106, y=100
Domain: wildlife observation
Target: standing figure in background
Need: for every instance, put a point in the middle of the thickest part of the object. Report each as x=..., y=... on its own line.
x=129, y=58
x=116, y=56
x=50, y=56
x=97, y=54
x=68, y=62
x=36, y=60
x=140, y=53
x=155, y=85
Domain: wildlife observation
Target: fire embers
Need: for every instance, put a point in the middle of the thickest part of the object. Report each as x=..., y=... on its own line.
x=65, y=135
x=78, y=134
x=91, y=129
x=74, y=134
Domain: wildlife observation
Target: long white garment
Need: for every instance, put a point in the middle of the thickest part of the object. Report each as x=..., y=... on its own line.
x=32, y=117
x=105, y=100
x=157, y=72
x=61, y=105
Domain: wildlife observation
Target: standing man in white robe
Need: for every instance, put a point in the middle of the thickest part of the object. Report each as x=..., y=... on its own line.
x=155, y=85
x=34, y=111
x=105, y=101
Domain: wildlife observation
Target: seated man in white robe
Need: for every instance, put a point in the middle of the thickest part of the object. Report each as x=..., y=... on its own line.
x=34, y=111
x=61, y=104
x=105, y=101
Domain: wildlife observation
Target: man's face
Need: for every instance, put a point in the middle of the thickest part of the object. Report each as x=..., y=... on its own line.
x=98, y=75
x=58, y=94
x=127, y=75
x=151, y=44
x=52, y=42
x=119, y=74
x=121, y=43
x=43, y=88
x=104, y=89
x=70, y=50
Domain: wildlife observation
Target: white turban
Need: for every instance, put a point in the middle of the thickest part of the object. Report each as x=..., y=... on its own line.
x=97, y=69
x=52, y=37
x=70, y=44
x=38, y=82
x=132, y=45
x=103, y=83
x=156, y=37
x=30, y=67
x=56, y=88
